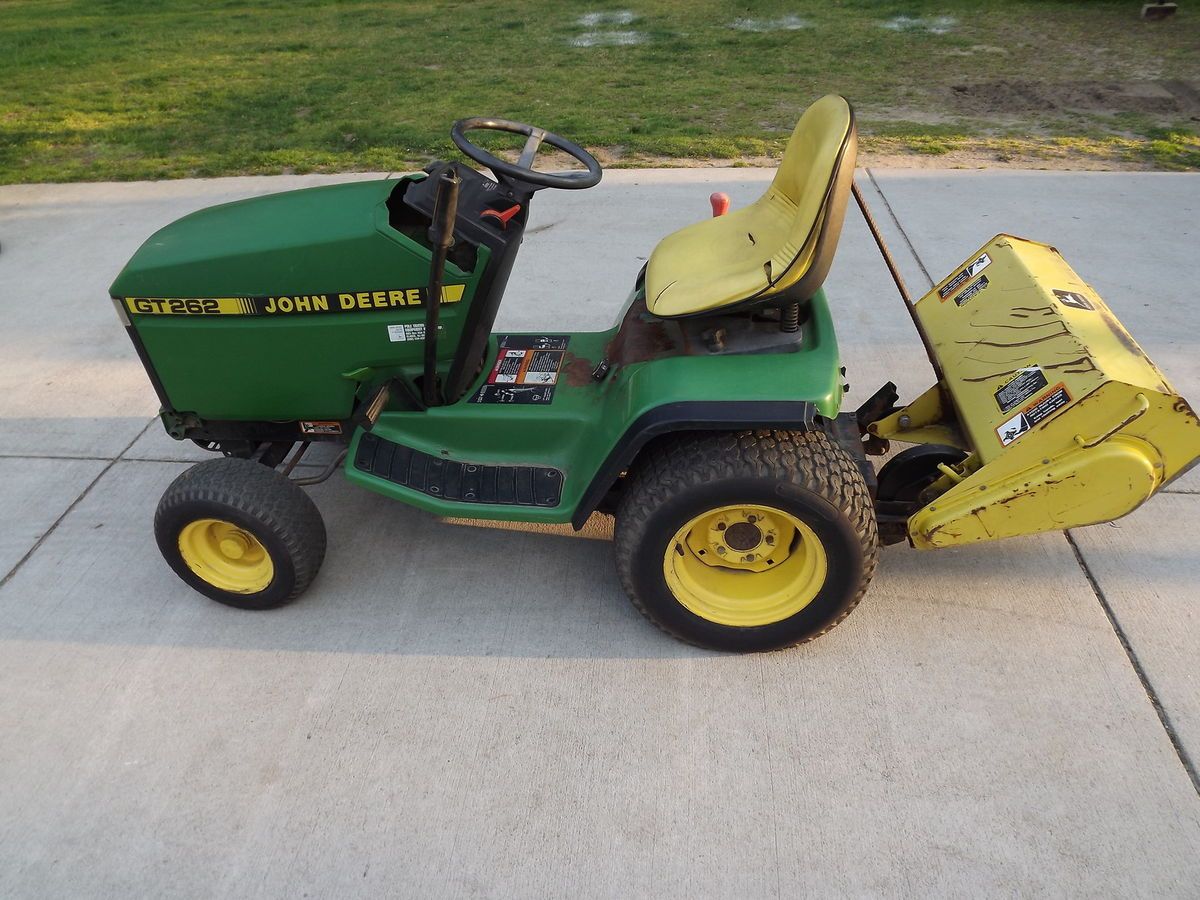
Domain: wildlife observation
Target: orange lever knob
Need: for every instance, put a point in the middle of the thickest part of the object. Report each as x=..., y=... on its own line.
x=720, y=203
x=501, y=216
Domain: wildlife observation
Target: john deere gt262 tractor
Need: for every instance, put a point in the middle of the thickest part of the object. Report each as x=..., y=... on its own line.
x=707, y=420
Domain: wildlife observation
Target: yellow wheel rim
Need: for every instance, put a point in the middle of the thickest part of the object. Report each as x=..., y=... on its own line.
x=226, y=556
x=745, y=565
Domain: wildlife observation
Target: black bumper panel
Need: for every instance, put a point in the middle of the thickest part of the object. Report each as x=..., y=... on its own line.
x=461, y=482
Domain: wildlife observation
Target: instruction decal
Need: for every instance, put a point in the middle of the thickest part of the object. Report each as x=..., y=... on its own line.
x=521, y=395
x=1020, y=388
x=410, y=331
x=526, y=369
x=321, y=427
x=964, y=275
x=1073, y=298
x=534, y=341
x=974, y=288
x=1038, y=411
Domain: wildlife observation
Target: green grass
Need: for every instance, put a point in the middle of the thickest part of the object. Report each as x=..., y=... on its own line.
x=117, y=89
x=1177, y=149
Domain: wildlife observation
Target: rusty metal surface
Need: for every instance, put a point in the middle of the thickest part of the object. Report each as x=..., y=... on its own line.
x=1067, y=420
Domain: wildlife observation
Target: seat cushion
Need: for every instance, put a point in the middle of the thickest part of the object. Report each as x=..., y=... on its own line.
x=768, y=246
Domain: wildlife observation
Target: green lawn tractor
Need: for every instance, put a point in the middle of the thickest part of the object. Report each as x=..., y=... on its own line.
x=707, y=420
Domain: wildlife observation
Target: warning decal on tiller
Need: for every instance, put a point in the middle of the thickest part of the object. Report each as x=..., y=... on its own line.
x=1074, y=299
x=526, y=370
x=1020, y=387
x=1038, y=411
x=974, y=288
x=964, y=275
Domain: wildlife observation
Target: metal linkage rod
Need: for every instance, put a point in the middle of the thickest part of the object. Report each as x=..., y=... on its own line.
x=896, y=277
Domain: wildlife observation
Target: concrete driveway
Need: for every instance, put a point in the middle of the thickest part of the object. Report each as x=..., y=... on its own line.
x=472, y=712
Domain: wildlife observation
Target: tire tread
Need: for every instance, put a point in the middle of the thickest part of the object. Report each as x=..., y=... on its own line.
x=263, y=494
x=808, y=459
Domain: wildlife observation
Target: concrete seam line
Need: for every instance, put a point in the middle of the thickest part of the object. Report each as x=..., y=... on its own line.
x=1164, y=718
x=74, y=503
x=904, y=234
x=123, y=458
x=60, y=456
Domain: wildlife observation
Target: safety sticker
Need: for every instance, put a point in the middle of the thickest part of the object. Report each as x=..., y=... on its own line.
x=1020, y=387
x=410, y=331
x=972, y=289
x=321, y=427
x=534, y=341
x=1072, y=298
x=1038, y=411
x=964, y=275
x=526, y=370
x=501, y=393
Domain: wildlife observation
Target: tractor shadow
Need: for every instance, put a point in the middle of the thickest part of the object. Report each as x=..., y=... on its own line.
x=399, y=581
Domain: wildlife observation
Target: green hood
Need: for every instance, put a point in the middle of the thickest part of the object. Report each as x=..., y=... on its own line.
x=316, y=240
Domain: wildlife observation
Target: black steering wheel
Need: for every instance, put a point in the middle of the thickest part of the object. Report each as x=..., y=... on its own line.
x=523, y=169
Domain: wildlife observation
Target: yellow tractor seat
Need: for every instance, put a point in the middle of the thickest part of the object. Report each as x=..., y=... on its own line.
x=778, y=248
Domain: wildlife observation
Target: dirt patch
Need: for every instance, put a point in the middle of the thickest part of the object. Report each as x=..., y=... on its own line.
x=1003, y=159
x=1064, y=159
x=610, y=17
x=928, y=24
x=1163, y=98
x=608, y=39
x=765, y=26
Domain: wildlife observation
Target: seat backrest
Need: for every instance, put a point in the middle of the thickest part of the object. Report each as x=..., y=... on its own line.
x=814, y=176
x=779, y=248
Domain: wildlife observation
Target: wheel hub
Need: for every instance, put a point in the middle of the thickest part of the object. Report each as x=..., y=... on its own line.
x=745, y=565
x=226, y=556
x=743, y=536
x=748, y=538
x=235, y=545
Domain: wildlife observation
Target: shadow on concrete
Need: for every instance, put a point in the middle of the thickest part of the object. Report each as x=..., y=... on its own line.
x=399, y=581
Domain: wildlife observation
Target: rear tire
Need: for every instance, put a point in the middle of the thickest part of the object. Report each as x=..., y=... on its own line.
x=240, y=533
x=788, y=512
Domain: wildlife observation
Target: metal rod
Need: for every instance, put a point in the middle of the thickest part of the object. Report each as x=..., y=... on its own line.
x=896, y=277
x=324, y=474
x=295, y=458
x=883, y=247
x=441, y=237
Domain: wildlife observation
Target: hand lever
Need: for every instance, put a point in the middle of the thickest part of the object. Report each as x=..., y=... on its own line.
x=441, y=236
x=501, y=215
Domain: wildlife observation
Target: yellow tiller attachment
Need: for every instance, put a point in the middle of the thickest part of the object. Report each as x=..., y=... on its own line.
x=1064, y=418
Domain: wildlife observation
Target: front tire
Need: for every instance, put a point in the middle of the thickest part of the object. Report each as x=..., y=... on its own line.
x=240, y=533
x=746, y=541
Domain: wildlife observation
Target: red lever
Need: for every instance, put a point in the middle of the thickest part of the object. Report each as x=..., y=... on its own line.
x=720, y=203
x=501, y=216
